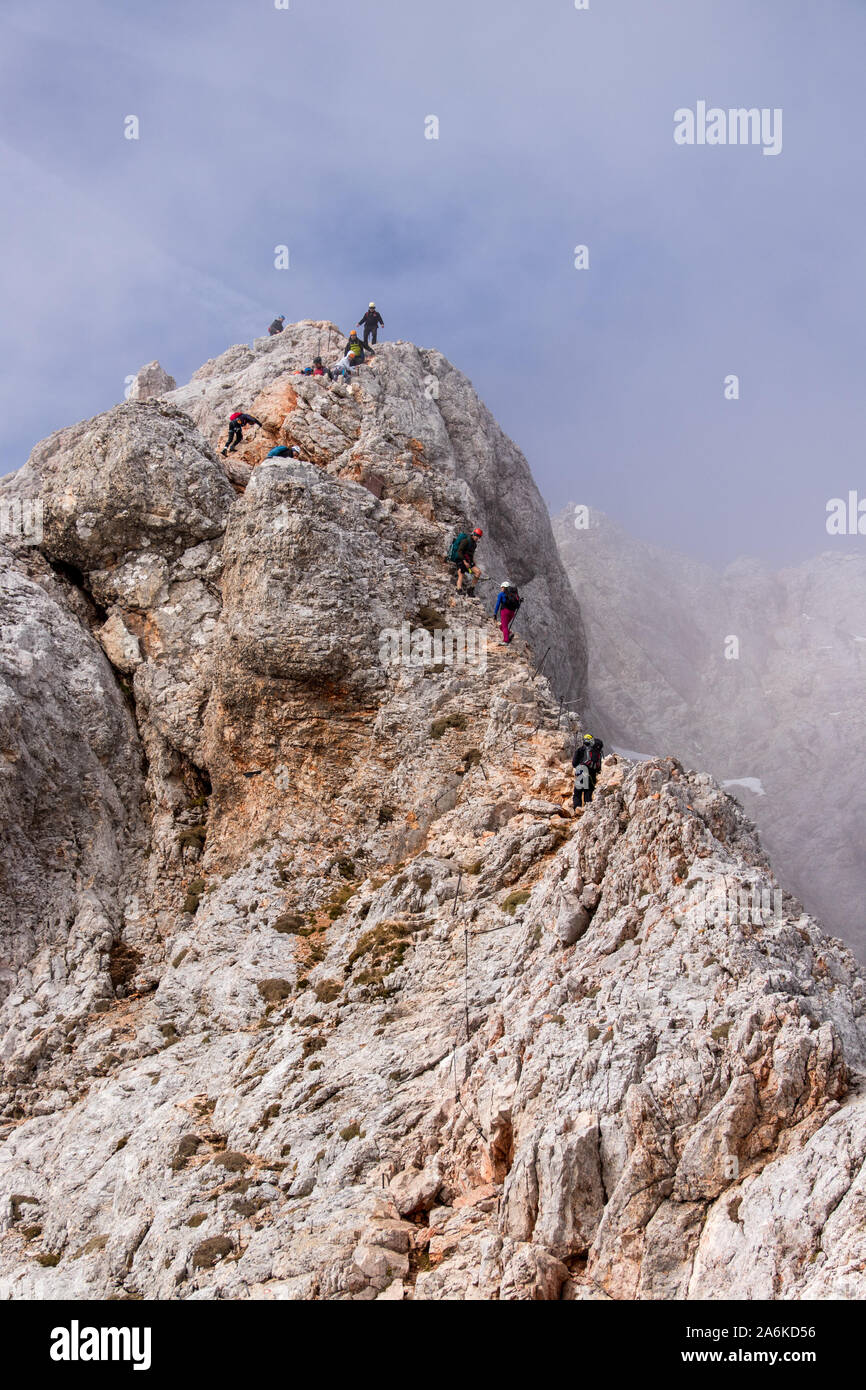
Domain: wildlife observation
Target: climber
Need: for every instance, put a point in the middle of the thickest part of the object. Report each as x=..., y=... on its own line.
x=582, y=790
x=357, y=350
x=277, y=325
x=281, y=451
x=318, y=369
x=372, y=322
x=507, y=603
x=587, y=754
x=237, y=420
x=462, y=554
x=343, y=369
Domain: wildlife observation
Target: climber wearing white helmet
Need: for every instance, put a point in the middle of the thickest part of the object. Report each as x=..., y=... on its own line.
x=508, y=601
x=372, y=322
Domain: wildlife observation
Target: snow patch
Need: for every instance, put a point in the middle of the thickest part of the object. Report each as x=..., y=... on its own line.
x=752, y=784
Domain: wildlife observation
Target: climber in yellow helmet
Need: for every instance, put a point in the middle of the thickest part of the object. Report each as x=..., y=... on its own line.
x=587, y=765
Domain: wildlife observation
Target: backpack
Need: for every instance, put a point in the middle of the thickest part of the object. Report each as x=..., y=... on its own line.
x=594, y=755
x=461, y=536
x=511, y=598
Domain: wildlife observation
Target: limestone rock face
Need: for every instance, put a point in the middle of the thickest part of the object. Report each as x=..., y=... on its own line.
x=151, y=380
x=316, y=989
x=412, y=428
x=71, y=792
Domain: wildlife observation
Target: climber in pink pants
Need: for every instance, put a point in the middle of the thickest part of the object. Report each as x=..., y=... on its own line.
x=507, y=603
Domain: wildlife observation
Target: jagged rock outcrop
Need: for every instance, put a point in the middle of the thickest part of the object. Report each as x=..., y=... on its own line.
x=390, y=1022
x=779, y=716
x=150, y=380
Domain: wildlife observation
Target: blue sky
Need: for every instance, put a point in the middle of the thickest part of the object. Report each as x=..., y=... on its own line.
x=305, y=126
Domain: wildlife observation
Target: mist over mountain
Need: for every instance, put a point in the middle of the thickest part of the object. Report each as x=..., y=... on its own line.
x=756, y=675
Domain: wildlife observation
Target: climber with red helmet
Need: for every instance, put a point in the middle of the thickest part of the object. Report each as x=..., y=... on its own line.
x=462, y=555
x=372, y=322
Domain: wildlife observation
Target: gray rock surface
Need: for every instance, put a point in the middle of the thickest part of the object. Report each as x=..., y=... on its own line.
x=71, y=792
x=782, y=724
x=382, y=1020
x=151, y=380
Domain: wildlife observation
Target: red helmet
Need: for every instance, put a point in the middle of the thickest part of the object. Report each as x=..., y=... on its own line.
x=478, y=531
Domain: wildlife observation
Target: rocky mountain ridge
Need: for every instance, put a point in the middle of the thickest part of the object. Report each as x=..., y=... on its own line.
x=313, y=986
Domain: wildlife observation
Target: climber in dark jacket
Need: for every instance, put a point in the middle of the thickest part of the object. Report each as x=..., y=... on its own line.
x=464, y=557
x=582, y=790
x=236, y=429
x=277, y=326
x=588, y=755
x=356, y=349
x=372, y=322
